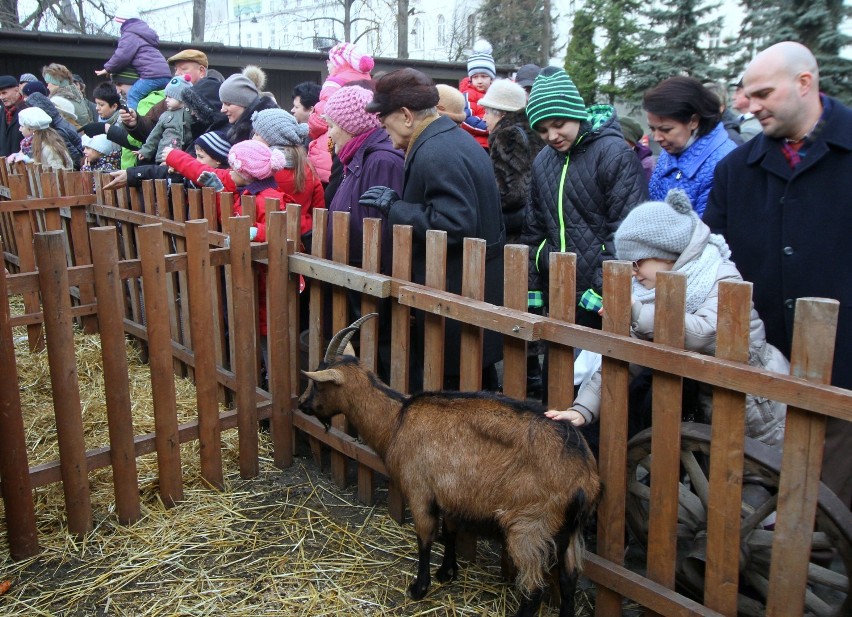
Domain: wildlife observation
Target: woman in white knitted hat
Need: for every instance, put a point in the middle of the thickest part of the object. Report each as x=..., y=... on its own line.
x=41, y=144
x=668, y=236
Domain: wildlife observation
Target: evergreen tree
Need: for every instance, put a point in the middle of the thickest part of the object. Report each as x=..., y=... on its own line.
x=581, y=61
x=674, y=44
x=515, y=30
x=816, y=25
x=621, y=51
x=759, y=27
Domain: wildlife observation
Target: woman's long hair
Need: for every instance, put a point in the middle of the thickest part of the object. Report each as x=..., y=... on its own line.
x=49, y=138
x=298, y=158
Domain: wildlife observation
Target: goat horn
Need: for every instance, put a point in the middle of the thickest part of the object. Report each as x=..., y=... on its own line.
x=341, y=338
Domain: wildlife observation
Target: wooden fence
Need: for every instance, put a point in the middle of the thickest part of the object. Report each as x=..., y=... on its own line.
x=108, y=263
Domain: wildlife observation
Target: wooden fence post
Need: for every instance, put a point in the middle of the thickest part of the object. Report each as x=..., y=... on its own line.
x=516, y=260
x=317, y=312
x=563, y=306
x=14, y=467
x=203, y=336
x=157, y=310
x=278, y=328
x=811, y=357
x=727, y=455
x=667, y=407
x=242, y=322
x=613, y=426
x=433, y=329
x=22, y=224
x=473, y=286
x=59, y=331
x=339, y=320
x=110, y=297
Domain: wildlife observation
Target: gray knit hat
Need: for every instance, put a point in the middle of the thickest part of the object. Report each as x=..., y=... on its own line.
x=505, y=95
x=481, y=60
x=657, y=229
x=554, y=95
x=176, y=87
x=238, y=90
x=278, y=127
x=27, y=77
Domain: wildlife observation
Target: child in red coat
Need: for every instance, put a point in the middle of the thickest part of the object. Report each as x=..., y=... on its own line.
x=481, y=72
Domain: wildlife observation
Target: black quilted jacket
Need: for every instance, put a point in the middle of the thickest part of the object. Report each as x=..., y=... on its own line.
x=603, y=182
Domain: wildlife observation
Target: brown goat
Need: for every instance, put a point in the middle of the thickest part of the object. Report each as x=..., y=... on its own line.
x=473, y=457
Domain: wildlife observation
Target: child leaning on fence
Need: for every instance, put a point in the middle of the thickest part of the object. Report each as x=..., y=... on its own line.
x=668, y=236
x=41, y=143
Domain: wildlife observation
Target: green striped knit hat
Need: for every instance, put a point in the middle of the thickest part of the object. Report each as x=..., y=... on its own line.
x=554, y=95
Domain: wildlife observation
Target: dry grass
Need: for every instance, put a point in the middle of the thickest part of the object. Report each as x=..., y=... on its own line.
x=285, y=543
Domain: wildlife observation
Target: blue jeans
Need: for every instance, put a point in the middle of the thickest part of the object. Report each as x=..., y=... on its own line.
x=144, y=87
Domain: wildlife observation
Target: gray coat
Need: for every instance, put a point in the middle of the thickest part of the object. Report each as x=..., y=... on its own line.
x=764, y=418
x=449, y=185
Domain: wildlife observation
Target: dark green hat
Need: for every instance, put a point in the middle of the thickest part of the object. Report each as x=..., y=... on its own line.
x=554, y=95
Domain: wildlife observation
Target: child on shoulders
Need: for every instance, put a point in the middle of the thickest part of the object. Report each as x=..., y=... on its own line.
x=481, y=72
x=173, y=127
x=138, y=47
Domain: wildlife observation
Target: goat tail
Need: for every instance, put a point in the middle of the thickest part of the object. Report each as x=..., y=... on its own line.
x=578, y=514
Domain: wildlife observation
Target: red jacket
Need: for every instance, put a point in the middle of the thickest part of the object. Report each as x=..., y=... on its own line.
x=310, y=197
x=474, y=122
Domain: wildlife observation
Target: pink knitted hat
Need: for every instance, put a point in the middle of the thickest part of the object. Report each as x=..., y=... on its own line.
x=346, y=109
x=346, y=55
x=255, y=160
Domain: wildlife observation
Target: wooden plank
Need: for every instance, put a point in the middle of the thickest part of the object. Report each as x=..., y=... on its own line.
x=52, y=202
x=613, y=430
x=316, y=347
x=400, y=344
x=562, y=305
x=341, y=275
x=161, y=200
x=339, y=320
x=433, y=329
x=17, y=493
x=294, y=236
x=203, y=337
x=473, y=287
x=812, y=354
x=667, y=403
x=516, y=267
x=369, y=335
x=116, y=372
x=79, y=238
x=184, y=331
x=160, y=359
x=23, y=232
x=727, y=448
x=50, y=190
x=59, y=330
x=194, y=208
x=243, y=325
x=641, y=590
x=279, y=338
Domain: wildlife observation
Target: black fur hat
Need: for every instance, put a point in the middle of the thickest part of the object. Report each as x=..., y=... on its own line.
x=403, y=88
x=203, y=100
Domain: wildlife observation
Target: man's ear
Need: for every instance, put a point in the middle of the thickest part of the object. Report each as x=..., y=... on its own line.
x=805, y=81
x=408, y=115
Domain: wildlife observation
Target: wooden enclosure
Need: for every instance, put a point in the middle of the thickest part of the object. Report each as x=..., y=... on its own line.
x=153, y=265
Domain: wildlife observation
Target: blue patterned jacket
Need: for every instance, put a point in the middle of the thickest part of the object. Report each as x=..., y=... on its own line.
x=691, y=170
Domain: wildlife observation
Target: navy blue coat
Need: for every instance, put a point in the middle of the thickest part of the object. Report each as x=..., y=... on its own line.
x=449, y=185
x=789, y=230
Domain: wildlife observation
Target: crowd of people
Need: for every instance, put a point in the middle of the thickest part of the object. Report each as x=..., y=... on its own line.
x=509, y=160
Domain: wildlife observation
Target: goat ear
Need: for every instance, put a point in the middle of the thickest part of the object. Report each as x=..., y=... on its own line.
x=349, y=350
x=332, y=375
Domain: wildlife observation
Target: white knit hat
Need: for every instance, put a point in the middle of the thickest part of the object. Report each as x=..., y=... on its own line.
x=505, y=95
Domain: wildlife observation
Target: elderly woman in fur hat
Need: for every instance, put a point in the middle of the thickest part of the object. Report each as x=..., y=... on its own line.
x=461, y=200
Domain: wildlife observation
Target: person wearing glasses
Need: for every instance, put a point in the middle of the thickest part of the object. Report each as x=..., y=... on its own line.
x=663, y=236
x=449, y=186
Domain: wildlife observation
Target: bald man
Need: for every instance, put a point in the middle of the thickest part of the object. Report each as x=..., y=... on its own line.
x=784, y=203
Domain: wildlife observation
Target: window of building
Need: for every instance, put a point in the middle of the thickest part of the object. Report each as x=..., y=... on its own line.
x=418, y=34
x=471, y=30
x=442, y=30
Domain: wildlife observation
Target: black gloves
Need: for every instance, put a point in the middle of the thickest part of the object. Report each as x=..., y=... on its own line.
x=379, y=197
x=93, y=128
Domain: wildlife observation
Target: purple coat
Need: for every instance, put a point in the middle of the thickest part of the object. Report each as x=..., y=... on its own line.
x=138, y=46
x=376, y=163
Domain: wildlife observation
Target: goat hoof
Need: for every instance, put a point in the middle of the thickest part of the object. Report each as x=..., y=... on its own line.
x=445, y=574
x=417, y=591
